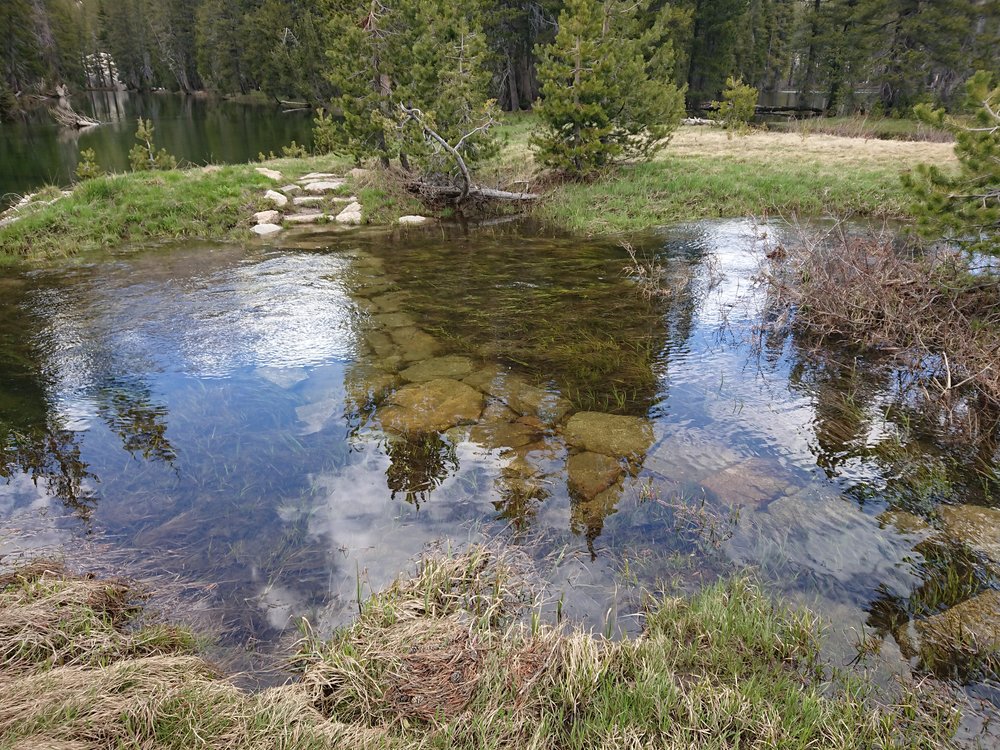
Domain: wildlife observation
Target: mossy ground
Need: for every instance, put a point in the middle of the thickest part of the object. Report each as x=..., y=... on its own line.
x=444, y=659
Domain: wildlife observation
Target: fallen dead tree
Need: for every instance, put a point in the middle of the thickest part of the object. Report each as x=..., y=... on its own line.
x=457, y=194
x=66, y=116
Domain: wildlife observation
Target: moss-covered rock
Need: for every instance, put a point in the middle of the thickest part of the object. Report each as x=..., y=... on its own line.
x=433, y=406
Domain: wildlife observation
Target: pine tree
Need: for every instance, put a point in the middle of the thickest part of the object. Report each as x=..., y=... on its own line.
x=600, y=104
x=965, y=208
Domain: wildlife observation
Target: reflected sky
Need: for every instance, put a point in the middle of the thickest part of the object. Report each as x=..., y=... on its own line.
x=271, y=425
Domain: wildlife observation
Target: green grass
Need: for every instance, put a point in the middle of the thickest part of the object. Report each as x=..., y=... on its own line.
x=682, y=188
x=447, y=659
x=141, y=207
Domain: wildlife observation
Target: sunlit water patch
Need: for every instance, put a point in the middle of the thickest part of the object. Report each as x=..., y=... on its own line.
x=277, y=428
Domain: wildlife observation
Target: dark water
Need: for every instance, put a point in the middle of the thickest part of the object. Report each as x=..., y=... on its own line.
x=265, y=426
x=35, y=151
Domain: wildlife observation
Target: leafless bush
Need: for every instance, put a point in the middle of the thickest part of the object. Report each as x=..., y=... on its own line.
x=935, y=311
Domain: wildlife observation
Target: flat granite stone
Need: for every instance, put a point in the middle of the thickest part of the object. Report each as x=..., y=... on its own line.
x=267, y=217
x=610, y=434
x=434, y=406
x=310, y=218
x=589, y=474
x=453, y=366
x=263, y=230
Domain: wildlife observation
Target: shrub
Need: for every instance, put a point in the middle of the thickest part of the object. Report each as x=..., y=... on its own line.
x=143, y=156
x=88, y=168
x=738, y=105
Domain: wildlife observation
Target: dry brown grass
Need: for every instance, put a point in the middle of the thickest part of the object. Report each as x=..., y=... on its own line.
x=761, y=146
x=936, y=313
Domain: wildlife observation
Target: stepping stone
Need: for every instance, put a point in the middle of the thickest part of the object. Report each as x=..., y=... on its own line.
x=610, y=434
x=413, y=220
x=270, y=173
x=307, y=200
x=326, y=186
x=350, y=215
x=291, y=189
x=304, y=218
x=320, y=176
x=276, y=198
x=265, y=229
x=267, y=217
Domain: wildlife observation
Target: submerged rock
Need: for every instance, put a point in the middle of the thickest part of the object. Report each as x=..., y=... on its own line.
x=906, y=523
x=750, y=483
x=519, y=395
x=967, y=631
x=452, y=366
x=433, y=406
x=495, y=435
x=589, y=473
x=394, y=320
x=414, y=344
x=610, y=434
x=975, y=526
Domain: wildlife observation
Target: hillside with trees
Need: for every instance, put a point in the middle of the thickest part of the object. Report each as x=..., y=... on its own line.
x=837, y=55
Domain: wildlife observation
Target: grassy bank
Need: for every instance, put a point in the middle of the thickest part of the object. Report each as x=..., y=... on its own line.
x=703, y=173
x=139, y=207
x=439, y=661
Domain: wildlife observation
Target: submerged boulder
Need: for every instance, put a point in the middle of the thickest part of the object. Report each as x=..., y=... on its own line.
x=519, y=395
x=975, y=526
x=414, y=344
x=452, y=366
x=433, y=406
x=589, y=473
x=967, y=631
x=610, y=434
x=750, y=483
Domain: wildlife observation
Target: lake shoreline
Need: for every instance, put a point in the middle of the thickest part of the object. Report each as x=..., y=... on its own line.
x=702, y=174
x=455, y=655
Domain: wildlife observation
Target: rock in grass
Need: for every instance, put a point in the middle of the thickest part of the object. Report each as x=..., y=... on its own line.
x=308, y=200
x=350, y=215
x=412, y=220
x=271, y=174
x=265, y=229
x=323, y=186
x=610, y=434
x=291, y=189
x=312, y=176
x=311, y=218
x=276, y=198
x=267, y=217
x=975, y=526
x=433, y=406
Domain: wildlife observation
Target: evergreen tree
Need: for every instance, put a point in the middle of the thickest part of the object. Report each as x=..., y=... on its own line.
x=965, y=208
x=600, y=102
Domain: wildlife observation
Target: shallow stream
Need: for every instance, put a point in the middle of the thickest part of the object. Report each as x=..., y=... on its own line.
x=268, y=429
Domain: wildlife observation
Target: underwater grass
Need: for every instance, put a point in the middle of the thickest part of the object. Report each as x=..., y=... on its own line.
x=445, y=659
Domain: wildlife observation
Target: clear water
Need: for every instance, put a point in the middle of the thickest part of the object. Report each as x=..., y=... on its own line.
x=35, y=151
x=216, y=417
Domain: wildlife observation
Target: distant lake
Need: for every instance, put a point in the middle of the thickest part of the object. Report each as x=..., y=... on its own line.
x=34, y=151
